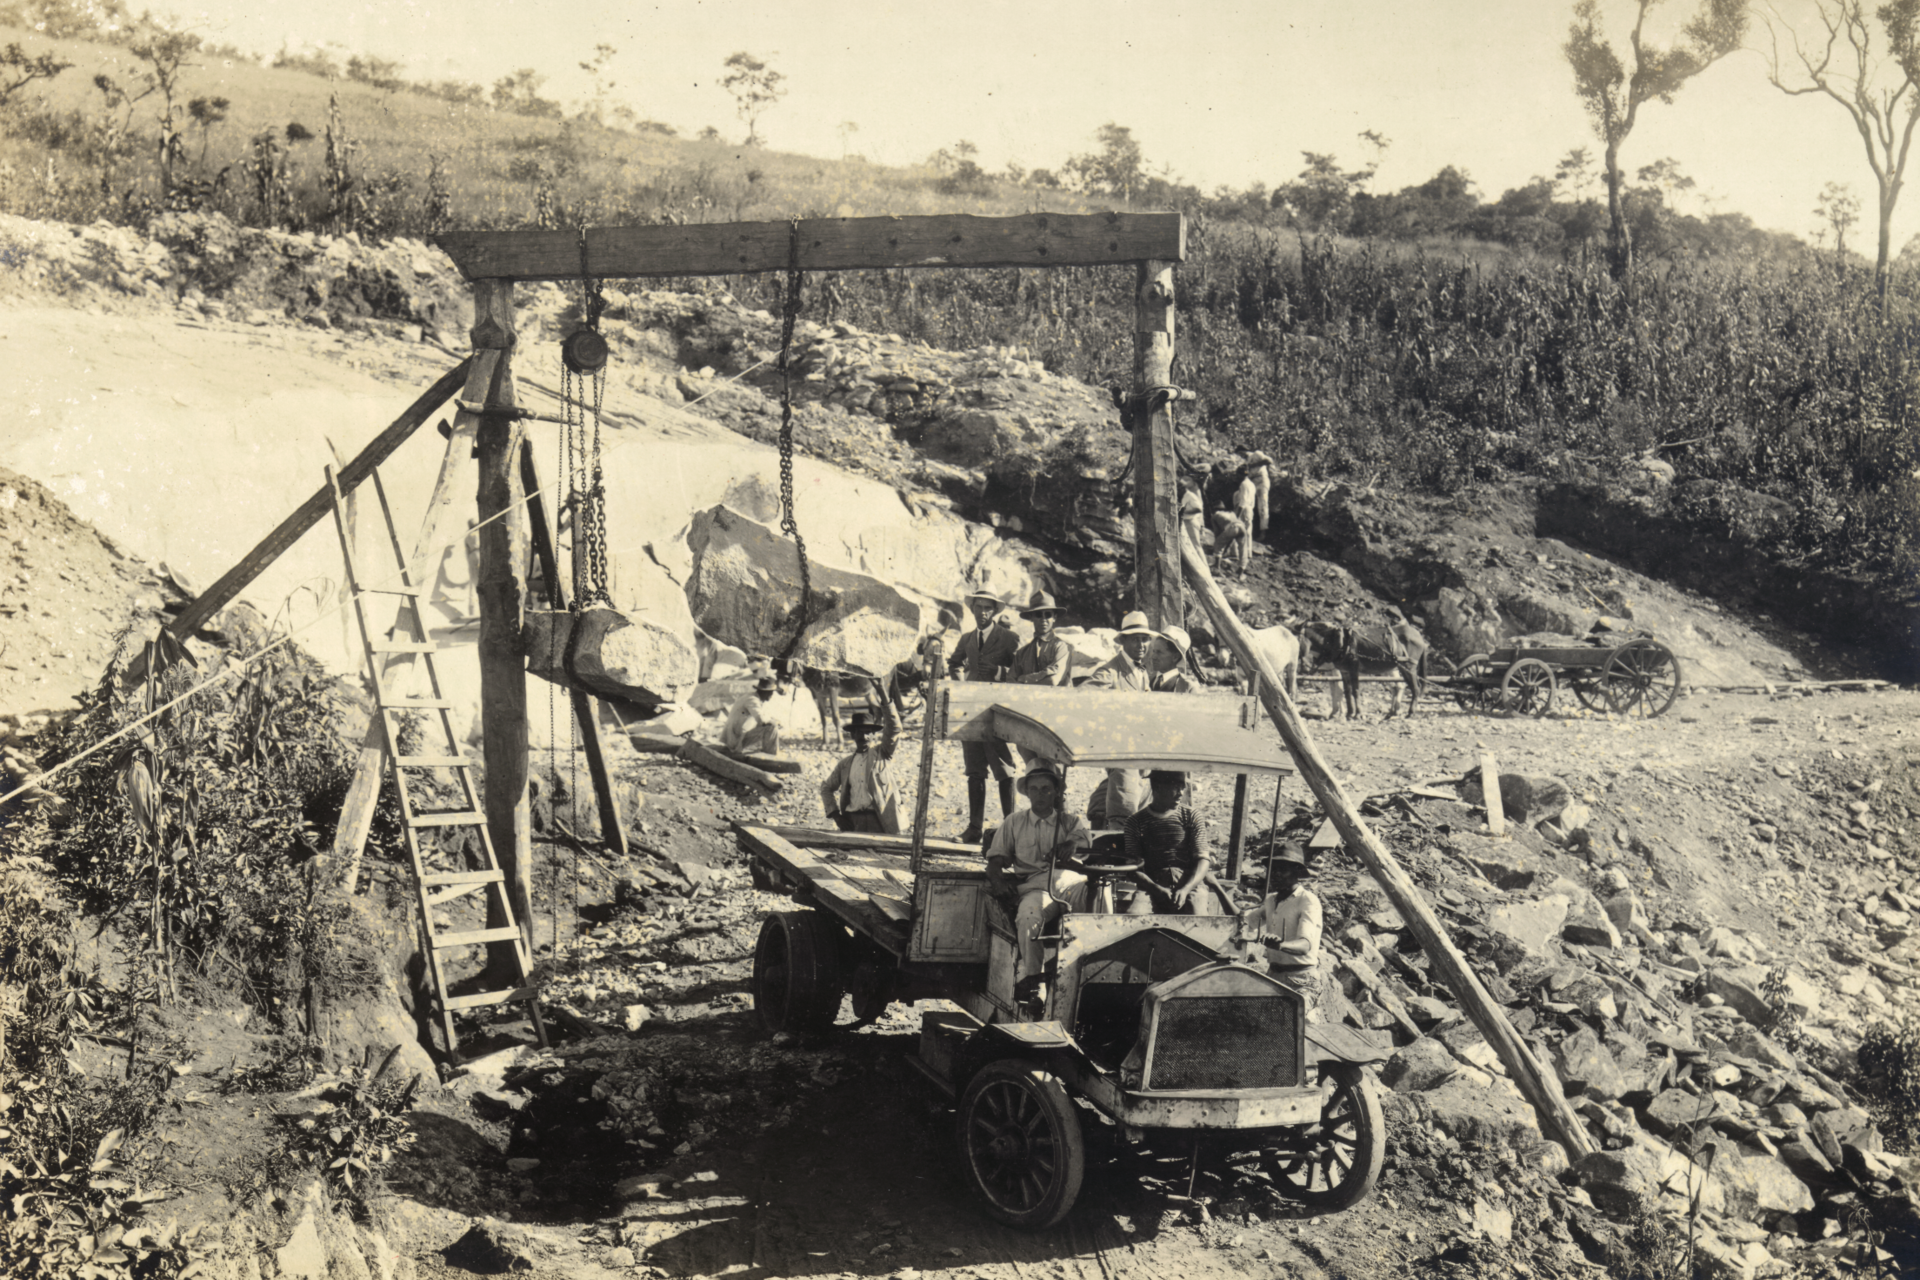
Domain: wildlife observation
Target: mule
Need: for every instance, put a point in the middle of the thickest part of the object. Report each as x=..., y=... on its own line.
x=1392, y=647
x=1282, y=649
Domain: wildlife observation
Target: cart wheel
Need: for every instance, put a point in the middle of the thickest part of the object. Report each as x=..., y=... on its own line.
x=1642, y=678
x=1592, y=693
x=1528, y=687
x=1335, y=1164
x=1435, y=669
x=1472, y=683
x=797, y=980
x=1021, y=1142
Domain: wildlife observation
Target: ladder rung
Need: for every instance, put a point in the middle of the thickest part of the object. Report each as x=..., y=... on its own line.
x=403, y=646
x=472, y=937
x=415, y=704
x=458, y=818
x=490, y=997
x=435, y=878
x=429, y=762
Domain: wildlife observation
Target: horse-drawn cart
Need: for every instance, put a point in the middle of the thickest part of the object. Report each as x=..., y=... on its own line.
x=1632, y=676
x=1153, y=1028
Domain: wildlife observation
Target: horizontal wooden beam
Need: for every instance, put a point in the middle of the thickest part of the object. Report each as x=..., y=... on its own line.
x=825, y=244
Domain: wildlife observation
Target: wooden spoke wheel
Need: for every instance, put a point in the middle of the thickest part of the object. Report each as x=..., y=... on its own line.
x=1335, y=1164
x=1021, y=1143
x=1591, y=690
x=1473, y=682
x=1527, y=688
x=797, y=973
x=1642, y=678
x=1435, y=668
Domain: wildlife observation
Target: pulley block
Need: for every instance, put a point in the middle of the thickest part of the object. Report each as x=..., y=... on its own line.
x=584, y=351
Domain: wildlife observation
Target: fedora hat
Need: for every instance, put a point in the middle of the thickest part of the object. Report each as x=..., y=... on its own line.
x=765, y=684
x=1042, y=602
x=1178, y=638
x=981, y=593
x=861, y=722
x=1135, y=624
x=1037, y=766
x=1290, y=853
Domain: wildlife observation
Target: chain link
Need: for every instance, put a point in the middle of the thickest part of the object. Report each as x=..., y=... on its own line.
x=586, y=480
x=790, y=311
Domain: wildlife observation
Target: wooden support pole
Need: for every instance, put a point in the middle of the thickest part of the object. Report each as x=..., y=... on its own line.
x=309, y=513
x=726, y=766
x=1237, y=836
x=503, y=597
x=1540, y=1087
x=586, y=707
x=1490, y=793
x=1156, y=481
x=934, y=661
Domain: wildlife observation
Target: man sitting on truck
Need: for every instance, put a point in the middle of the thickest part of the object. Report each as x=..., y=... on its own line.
x=1289, y=922
x=1167, y=838
x=1021, y=862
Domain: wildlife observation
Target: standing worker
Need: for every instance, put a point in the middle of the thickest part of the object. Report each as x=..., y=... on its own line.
x=985, y=654
x=858, y=795
x=1245, y=497
x=1191, y=517
x=1232, y=541
x=1045, y=659
x=1125, y=790
x=1260, y=467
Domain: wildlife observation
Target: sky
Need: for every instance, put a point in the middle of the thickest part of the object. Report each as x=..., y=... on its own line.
x=1221, y=93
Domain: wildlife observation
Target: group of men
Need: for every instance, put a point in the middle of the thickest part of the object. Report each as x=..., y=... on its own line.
x=1234, y=500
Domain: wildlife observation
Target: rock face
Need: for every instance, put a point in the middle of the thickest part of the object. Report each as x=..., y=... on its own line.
x=611, y=653
x=1533, y=925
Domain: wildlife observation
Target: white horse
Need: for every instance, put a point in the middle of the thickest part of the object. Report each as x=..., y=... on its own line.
x=1281, y=648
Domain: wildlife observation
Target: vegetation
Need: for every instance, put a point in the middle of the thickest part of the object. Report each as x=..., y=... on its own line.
x=1889, y=1059
x=362, y=1124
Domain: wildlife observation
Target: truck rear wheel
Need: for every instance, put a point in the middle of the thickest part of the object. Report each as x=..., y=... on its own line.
x=797, y=974
x=1021, y=1143
x=1335, y=1164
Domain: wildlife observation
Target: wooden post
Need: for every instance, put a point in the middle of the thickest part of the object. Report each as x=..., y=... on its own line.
x=503, y=596
x=586, y=707
x=933, y=656
x=1237, y=836
x=1156, y=488
x=1540, y=1087
x=1490, y=793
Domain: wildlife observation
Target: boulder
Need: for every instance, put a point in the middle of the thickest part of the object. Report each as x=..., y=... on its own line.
x=1585, y=1065
x=1534, y=925
x=1422, y=1065
x=1758, y=1184
x=1090, y=647
x=1490, y=1115
x=1630, y=918
x=612, y=654
x=1590, y=926
x=1508, y=866
x=1846, y=1126
x=1740, y=989
x=745, y=591
x=1674, y=1112
x=1616, y=1182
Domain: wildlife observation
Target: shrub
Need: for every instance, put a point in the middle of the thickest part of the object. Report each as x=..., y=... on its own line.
x=361, y=1125
x=1890, y=1063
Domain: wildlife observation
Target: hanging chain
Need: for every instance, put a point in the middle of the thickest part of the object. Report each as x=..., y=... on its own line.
x=586, y=480
x=790, y=311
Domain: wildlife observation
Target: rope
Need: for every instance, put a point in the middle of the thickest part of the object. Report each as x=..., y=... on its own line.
x=790, y=311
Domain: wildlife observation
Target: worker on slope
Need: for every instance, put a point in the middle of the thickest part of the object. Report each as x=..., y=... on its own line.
x=749, y=729
x=1245, y=497
x=985, y=653
x=1124, y=790
x=1021, y=863
x=1260, y=468
x=858, y=795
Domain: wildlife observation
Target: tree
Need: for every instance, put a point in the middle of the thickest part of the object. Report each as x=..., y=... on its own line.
x=520, y=94
x=165, y=51
x=206, y=113
x=1322, y=196
x=846, y=129
x=18, y=69
x=603, y=84
x=1665, y=176
x=755, y=86
x=1613, y=93
x=1574, y=176
x=1116, y=169
x=1879, y=89
x=1838, y=207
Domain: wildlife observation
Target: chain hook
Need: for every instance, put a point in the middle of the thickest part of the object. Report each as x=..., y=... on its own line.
x=789, y=312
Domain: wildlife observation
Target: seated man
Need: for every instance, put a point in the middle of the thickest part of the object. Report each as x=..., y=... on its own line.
x=858, y=795
x=749, y=730
x=1288, y=923
x=1167, y=660
x=1021, y=862
x=1166, y=838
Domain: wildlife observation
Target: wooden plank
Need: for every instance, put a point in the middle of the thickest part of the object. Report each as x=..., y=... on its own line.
x=825, y=244
x=933, y=662
x=474, y=937
x=1156, y=498
x=1490, y=795
x=307, y=514
x=484, y=998
x=586, y=708
x=827, y=886
x=1540, y=1087
x=726, y=766
x=818, y=838
x=458, y=818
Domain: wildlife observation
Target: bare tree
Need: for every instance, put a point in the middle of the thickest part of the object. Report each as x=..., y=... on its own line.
x=1613, y=92
x=755, y=86
x=165, y=51
x=1838, y=208
x=1878, y=88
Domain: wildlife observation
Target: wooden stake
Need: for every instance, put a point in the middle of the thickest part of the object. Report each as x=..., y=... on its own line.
x=1540, y=1087
x=503, y=596
x=935, y=661
x=1156, y=496
x=1490, y=793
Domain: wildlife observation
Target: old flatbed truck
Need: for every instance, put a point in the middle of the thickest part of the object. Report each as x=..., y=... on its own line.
x=1151, y=1023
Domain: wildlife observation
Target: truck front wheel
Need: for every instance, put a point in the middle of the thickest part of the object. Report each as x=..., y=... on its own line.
x=1021, y=1143
x=797, y=974
x=1335, y=1164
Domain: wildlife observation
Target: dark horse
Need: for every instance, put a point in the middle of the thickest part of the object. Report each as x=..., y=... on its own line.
x=1376, y=650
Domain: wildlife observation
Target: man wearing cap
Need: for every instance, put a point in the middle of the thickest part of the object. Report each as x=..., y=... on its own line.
x=1288, y=923
x=1021, y=862
x=858, y=795
x=1124, y=790
x=1168, y=840
x=985, y=653
x=749, y=730
x=1045, y=659
x=1167, y=662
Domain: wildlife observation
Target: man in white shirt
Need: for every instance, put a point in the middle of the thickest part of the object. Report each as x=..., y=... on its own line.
x=1125, y=790
x=858, y=795
x=1021, y=862
x=1288, y=923
x=749, y=730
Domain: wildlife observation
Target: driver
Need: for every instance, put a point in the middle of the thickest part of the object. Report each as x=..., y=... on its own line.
x=1021, y=862
x=1168, y=840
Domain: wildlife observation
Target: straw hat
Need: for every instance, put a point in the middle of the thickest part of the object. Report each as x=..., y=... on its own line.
x=1037, y=766
x=1135, y=624
x=1042, y=602
x=1178, y=638
x=983, y=594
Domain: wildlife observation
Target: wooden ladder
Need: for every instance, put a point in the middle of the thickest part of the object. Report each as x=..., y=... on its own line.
x=409, y=637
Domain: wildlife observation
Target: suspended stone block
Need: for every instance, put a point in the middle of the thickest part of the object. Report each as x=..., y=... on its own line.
x=610, y=654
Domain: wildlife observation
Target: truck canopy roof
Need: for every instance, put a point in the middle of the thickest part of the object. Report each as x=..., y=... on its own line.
x=1095, y=728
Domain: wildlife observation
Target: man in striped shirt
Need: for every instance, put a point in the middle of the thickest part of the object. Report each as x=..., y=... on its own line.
x=1168, y=839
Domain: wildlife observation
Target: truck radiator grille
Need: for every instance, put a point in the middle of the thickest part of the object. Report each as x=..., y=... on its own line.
x=1226, y=1042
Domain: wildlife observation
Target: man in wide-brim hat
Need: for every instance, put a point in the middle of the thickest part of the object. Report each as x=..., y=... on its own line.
x=1125, y=790
x=1289, y=921
x=1045, y=659
x=1022, y=861
x=985, y=653
x=858, y=795
x=749, y=729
